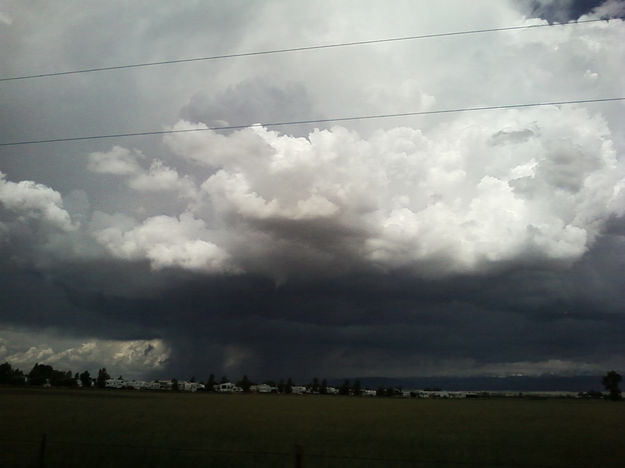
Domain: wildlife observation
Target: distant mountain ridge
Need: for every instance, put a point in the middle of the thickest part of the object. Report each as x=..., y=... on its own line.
x=578, y=383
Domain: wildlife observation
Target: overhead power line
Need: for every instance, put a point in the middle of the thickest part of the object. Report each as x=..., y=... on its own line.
x=295, y=49
x=313, y=121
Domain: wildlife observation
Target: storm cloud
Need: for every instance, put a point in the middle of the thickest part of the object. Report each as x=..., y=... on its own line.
x=466, y=244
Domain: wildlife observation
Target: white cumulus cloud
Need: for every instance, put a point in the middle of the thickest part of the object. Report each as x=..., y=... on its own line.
x=477, y=191
x=118, y=161
x=158, y=177
x=36, y=201
x=131, y=358
x=161, y=178
x=163, y=240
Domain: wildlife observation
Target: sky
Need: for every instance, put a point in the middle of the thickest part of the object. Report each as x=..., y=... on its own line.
x=486, y=243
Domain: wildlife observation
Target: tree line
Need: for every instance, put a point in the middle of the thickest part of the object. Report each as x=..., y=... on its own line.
x=44, y=374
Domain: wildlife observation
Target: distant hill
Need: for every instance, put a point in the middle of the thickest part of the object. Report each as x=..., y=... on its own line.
x=579, y=383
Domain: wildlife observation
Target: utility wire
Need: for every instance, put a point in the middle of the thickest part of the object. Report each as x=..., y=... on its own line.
x=313, y=121
x=295, y=49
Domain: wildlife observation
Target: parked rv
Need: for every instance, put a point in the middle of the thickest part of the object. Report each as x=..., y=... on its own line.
x=227, y=387
x=263, y=388
x=114, y=383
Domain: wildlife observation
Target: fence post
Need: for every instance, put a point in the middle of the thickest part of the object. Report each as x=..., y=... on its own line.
x=42, y=450
x=299, y=454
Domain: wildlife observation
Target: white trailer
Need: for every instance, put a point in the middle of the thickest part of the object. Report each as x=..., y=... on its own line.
x=151, y=385
x=190, y=386
x=263, y=388
x=227, y=387
x=114, y=383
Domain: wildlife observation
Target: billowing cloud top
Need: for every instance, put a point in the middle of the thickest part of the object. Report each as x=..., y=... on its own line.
x=486, y=190
x=28, y=199
x=482, y=190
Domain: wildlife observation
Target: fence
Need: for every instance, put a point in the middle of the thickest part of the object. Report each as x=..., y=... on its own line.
x=50, y=453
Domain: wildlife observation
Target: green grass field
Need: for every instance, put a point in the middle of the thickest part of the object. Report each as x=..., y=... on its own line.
x=91, y=428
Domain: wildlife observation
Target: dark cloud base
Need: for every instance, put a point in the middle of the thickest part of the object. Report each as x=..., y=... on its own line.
x=356, y=324
x=562, y=11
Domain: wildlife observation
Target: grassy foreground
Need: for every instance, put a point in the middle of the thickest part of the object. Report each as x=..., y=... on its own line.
x=95, y=428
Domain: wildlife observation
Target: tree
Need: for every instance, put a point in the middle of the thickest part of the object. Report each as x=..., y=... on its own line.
x=85, y=379
x=40, y=374
x=344, y=389
x=288, y=388
x=9, y=375
x=18, y=377
x=103, y=376
x=6, y=373
x=62, y=379
x=315, y=385
x=245, y=384
x=174, y=385
x=210, y=384
x=224, y=379
x=356, y=388
x=323, y=388
x=610, y=382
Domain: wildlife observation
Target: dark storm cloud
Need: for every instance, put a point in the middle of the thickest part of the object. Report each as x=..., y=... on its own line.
x=470, y=245
x=333, y=328
x=567, y=10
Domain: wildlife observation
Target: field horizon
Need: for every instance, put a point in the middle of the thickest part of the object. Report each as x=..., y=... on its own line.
x=572, y=383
